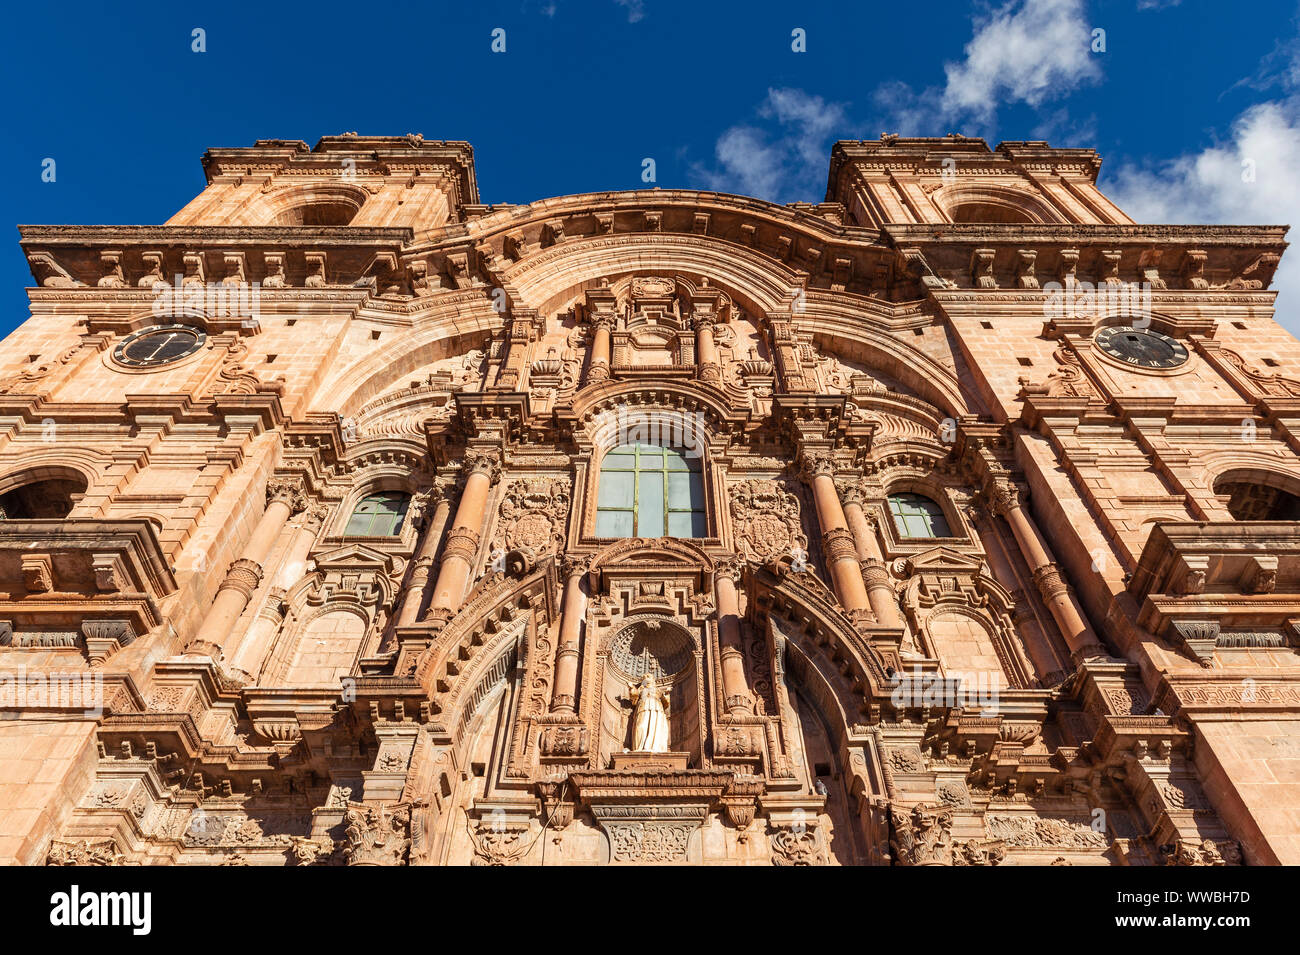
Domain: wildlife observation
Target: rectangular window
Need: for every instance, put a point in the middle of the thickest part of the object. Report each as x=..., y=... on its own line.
x=650, y=491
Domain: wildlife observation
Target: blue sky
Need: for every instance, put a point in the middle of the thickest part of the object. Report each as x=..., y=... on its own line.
x=713, y=92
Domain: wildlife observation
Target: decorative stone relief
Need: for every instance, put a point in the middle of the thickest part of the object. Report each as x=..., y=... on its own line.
x=533, y=515
x=767, y=523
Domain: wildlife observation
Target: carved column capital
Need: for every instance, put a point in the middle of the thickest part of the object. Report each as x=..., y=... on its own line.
x=731, y=567
x=851, y=493
x=482, y=462
x=815, y=464
x=921, y=835
x=314, y=515
x=575, y=565
x=1005, y=496
x=288, y=491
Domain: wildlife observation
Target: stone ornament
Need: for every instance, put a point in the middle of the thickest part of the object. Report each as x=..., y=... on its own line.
x=377, y=834
x=532, y=516
x=766, y=520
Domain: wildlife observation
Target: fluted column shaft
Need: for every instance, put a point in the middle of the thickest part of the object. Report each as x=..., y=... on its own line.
x=564, y=699
x=880, y=592
x=731, y=652
x=462, y=542
x=837, y=540
x=422, y=565
x=247, y=653
x=1056, y=594
x=245, y=574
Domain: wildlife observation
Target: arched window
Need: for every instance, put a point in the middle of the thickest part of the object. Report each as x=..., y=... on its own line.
x=379, y=515
x=917, y=516
x=1248, y=501
x=650, y=491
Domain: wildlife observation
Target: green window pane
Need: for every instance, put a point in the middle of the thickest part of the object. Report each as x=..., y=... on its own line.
x=918, y=516
x=613, y=523
x=378, y=515
x=358, y=525
x=617, y=489
x=685, y=491
x=648, y=491
x=687, y=524
x=650, y=504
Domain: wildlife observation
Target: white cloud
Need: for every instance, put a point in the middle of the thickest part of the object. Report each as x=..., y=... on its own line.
x=1023, y=52
x=635, y=9
x=1248, y=180
x=784, y=164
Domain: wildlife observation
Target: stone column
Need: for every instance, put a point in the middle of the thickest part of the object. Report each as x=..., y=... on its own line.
x=880, y=592
x=462, y=542
x=1055, y=592
x=422, y=564
x=731, y=653
x=706, y=351
x=601, y=326
x=838, y=544
x=246, y=654
x=245, y=574
x=564, y=699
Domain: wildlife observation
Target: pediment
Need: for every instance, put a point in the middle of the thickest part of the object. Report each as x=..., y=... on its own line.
x=354, y=557
x=945, y=560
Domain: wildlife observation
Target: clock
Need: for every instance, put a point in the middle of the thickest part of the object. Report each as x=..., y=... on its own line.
x=159, y=345
x=1140, y=347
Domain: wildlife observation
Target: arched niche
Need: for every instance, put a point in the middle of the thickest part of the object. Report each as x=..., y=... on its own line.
x=993, y=204
x=313, y=204
x=964, y=646
x=668, y=652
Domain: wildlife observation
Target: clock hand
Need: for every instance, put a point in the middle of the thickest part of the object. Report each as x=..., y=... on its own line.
x=161, y=346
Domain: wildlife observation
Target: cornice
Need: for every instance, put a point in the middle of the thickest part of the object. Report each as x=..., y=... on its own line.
x=192, y=235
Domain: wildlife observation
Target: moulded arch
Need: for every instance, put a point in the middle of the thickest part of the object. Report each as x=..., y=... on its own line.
x=993, y=204
x=314, y=203
x=458, y=324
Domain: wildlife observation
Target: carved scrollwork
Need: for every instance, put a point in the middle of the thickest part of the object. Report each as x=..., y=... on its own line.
x=798, y=846
x=922, y=835
x=377, y=834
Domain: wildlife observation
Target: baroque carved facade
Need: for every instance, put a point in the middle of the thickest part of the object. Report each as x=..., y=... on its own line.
x=362, y=540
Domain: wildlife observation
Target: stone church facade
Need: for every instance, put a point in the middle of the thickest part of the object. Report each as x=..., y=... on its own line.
x=954, y=518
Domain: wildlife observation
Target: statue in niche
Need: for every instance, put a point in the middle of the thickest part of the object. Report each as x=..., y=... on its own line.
x=650, y=719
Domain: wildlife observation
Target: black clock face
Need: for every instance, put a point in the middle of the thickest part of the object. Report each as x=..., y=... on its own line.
x=159, y=345
x=1141, y=347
